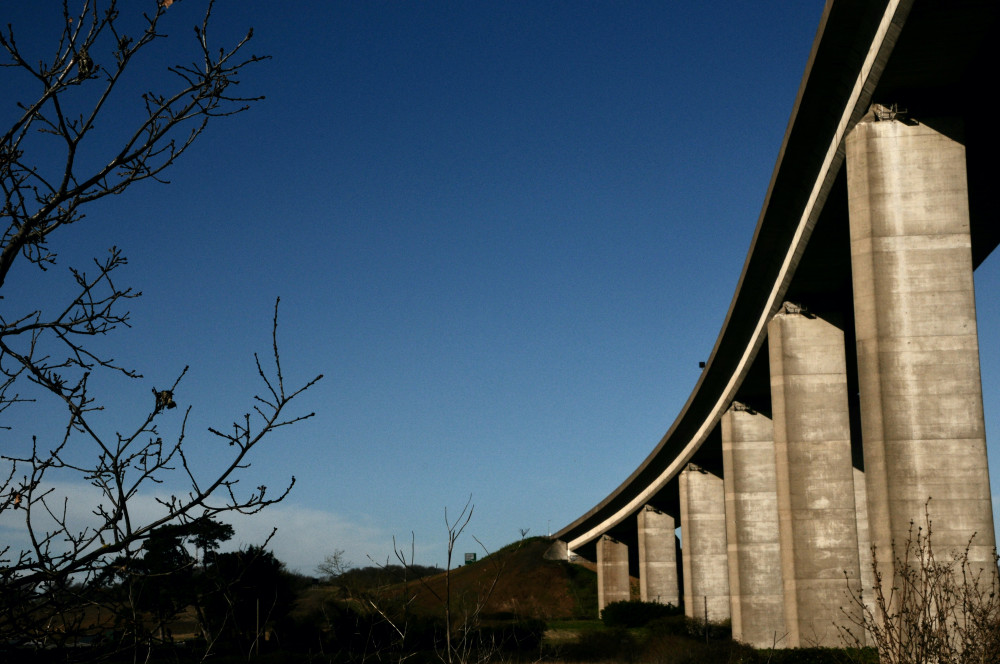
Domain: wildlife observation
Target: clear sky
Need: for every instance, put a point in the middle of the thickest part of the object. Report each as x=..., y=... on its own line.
x=506, y=232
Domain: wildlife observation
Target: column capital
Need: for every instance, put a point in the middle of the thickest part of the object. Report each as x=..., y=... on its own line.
x=885, y=112
x=792, y=308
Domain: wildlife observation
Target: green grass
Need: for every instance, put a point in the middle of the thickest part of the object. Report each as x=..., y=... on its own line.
x=577, y=625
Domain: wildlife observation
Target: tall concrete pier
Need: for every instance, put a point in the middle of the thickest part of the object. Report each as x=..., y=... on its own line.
x=755, y=583
x=814, y=474
x=612, y=572
x=657, y=557
x=703, y=541
x=918, y=350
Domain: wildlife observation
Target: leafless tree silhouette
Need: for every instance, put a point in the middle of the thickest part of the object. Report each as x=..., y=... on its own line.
x=929, y=607
x=53, y=165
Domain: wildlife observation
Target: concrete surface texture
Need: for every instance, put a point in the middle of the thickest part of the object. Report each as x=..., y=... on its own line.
x=918, y=352
x=612, y=572
x=657, y=557
x=814, y=475
x=864, y=549
x=752, y=527
x=703, y=541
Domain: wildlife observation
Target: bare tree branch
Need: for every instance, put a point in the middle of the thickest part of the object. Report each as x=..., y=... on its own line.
x=52, y=166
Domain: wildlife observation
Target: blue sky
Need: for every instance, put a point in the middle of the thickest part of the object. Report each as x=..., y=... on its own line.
x=505, y=232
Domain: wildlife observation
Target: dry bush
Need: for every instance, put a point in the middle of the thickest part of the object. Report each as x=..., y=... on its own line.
x=930, y=609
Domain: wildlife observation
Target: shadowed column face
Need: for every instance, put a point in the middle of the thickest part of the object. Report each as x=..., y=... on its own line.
x=918, y=352
x=703, y=538
x=657, y=557
x=814, y=476
x=612, y=572
x=752, y=527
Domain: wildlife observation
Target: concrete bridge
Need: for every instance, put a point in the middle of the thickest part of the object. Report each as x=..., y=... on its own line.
x=844, y=389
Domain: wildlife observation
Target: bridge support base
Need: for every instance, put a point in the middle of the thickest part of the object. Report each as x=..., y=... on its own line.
x=612, y=572
x=815, y=477
x=657, y=557
x=752, y=527
x=918, y=351
x=703, y=538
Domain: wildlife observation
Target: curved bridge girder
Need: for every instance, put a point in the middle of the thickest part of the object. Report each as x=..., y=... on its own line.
x=925, y=57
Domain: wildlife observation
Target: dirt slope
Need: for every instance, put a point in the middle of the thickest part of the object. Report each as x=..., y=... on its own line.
x=523, y=582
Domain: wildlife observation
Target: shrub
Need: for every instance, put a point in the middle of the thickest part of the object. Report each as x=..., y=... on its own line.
x=615, y=644
x=926, y=608
x=680, y=649
x=512, y=636
x=636, y=614
x=679, y=625
x=818, y=656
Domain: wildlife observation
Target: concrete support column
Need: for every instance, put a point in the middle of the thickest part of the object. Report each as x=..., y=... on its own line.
x=703, y=538
x=752, y=527
x=657, y=557
x=918, y=351
x=814, y=475
x=612, y=572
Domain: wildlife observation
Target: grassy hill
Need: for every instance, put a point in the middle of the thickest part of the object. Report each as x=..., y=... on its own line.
x=514, y=582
